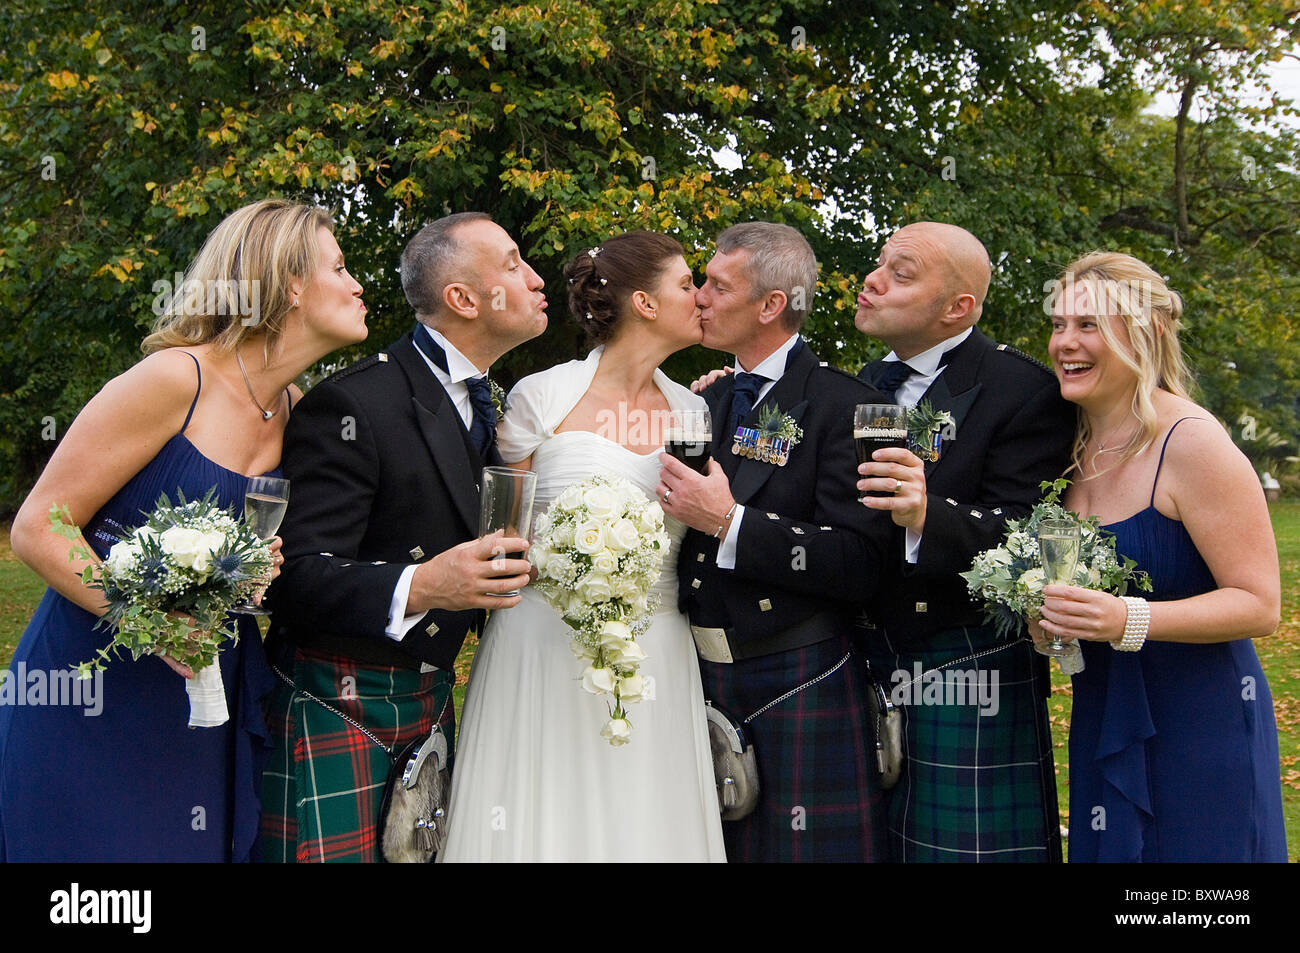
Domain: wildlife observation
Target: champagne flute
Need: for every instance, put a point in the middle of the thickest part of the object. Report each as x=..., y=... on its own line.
x=265, y=500
x=875, y=427
x=1059, y=543
x=689, y=437
x=506, y=504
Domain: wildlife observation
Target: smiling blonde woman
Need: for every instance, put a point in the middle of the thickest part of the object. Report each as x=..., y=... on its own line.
x=1173, y=742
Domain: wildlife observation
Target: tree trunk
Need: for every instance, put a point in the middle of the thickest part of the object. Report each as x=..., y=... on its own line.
x=1182, y=228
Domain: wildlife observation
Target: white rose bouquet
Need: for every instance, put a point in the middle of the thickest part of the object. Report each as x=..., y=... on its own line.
x=1009, y=578
x=598, y=550
x=189, y=559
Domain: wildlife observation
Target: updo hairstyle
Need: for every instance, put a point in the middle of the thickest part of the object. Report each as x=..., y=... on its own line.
x=603, y=278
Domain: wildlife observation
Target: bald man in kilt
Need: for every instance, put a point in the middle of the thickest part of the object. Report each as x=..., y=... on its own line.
x=770, y=572
x=384, y=576
x=978, y=782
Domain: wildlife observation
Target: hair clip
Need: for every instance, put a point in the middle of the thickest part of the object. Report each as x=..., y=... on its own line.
x=604, y=281
x=589, y=317
x=593, y=252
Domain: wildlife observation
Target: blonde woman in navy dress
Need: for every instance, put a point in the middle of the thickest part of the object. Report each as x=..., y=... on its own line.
x=1173, y=742
x=205, y=408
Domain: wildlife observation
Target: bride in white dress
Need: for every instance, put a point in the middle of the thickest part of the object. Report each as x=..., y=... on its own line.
x=534, y=780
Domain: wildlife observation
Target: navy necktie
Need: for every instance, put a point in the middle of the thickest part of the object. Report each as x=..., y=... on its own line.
x=895, y=373
x=742, y=397
x=480, y=392
x=485, y=415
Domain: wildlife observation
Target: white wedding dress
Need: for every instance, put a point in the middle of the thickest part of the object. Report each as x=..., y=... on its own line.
x=534, y=780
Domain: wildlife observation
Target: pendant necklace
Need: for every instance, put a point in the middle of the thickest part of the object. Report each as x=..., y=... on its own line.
x=266, y=414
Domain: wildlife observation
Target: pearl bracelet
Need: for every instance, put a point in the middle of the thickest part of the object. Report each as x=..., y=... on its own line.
x=1135, y=626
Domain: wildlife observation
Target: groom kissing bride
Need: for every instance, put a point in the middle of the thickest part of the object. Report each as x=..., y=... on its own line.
x=384, y=577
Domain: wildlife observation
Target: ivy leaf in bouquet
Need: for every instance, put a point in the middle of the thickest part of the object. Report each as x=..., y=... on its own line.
x=598, y=550
x=1009, y=578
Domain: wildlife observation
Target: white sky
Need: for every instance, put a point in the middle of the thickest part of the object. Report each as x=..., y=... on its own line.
x=1284, y=78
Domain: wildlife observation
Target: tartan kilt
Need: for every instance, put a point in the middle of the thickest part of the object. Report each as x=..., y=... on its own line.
x=974, y=787
x=819, y=789
x=322, y=789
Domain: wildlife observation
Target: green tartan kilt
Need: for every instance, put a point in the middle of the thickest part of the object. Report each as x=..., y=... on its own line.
x=977, y=787
x=322, y=789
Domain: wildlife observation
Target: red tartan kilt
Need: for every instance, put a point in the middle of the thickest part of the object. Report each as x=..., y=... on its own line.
x=322, y=788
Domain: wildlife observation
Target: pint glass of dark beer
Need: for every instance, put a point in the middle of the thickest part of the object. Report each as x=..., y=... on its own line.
x=688, y=436
x=876, y=426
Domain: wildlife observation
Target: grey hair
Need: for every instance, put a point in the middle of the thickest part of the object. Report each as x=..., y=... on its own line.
x=428, y=258
x=780, y=259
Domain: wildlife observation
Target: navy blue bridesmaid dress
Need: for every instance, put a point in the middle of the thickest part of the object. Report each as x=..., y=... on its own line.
x=1173, y=748
x=130, y=781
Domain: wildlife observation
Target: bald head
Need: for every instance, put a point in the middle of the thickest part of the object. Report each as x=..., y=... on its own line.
x=961, y=256
x=929, y=285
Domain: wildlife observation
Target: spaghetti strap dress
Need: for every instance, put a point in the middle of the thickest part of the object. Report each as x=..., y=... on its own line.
x=1173, y=749
x=108, y=770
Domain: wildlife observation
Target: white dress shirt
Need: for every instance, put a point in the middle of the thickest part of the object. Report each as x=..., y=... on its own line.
x=771, y=367
x=459, y=370
x=925, y=371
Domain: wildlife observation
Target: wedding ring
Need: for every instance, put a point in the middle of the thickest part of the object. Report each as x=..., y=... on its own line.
x=667, y=493
x=898, y=485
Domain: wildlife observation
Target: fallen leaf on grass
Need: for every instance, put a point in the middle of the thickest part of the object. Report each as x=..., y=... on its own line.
x=1287, y=711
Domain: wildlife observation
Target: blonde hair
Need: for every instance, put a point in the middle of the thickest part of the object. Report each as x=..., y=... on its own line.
x=247, y=259
x=1122, y=288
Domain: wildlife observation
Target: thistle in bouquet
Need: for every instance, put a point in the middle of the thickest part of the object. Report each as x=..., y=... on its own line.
x=1009, y=578
x=170, y=582
x=598, y=550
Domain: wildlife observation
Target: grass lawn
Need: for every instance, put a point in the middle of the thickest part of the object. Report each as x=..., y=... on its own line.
x=20, y=590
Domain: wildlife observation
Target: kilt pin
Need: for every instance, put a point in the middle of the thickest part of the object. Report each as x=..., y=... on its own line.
x=384, y=476
x=978, y=783
x=795, y=580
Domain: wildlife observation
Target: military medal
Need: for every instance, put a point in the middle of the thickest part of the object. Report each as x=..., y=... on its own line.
x=771, y=441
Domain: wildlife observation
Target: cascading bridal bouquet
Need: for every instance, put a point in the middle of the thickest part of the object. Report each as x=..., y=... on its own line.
x=169, y=584
x=1010, y=578
x=598, y=550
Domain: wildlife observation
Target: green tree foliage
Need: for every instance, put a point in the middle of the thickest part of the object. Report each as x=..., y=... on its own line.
x=126, y=134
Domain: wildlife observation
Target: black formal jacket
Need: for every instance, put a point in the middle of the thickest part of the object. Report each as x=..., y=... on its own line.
x=382, y=475
x=1012, y=430
x=803, y=544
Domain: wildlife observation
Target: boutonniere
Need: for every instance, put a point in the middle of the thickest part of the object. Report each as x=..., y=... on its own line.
x=926, y=429
x=771, y=441
x=498, y=396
